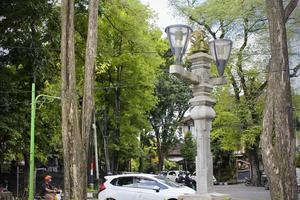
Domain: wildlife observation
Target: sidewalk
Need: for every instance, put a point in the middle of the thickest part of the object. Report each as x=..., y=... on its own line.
x=242, y=192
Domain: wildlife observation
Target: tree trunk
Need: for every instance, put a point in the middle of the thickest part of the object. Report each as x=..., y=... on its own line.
x=72, y=143
x=105, y=132
x=141, y=164
x=254, y=164
x=26, y=171
x=159, y=150
x=106, y=141
x=141, y=158
x=75, y=142
x=278, y=139
x=88, y=101
x=117, y=131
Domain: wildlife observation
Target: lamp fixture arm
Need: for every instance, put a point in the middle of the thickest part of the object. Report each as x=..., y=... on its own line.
x=180, y=72
x=45, y=95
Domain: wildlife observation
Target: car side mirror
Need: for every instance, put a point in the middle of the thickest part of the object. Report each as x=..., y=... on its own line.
x=156, y=188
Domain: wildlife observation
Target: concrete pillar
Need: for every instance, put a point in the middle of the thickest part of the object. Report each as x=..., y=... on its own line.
x=202, y=113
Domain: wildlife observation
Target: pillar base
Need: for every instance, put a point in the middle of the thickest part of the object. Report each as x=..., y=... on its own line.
x=205, y=196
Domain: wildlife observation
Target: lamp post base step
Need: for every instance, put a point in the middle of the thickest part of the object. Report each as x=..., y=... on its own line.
x=206, y=196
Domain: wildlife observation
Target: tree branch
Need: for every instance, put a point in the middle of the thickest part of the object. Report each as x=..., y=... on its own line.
x=206, y=26
x=240, y=59
x=190, y=17
x=261, y=88
x=235, y=87
x=252, y=29
x=289, y=9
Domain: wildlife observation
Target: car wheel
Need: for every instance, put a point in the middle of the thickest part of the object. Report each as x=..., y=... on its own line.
x=110, y=199
x=172, y=199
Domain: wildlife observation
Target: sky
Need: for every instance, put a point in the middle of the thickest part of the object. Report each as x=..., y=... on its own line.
x=164, y=12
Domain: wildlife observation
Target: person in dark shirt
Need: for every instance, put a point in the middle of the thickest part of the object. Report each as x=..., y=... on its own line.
x=48, y=191
x=188, y=180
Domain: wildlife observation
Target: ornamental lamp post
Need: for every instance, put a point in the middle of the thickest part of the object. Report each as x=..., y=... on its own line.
x=220, y=50
x=179, y=36
x=202, y=111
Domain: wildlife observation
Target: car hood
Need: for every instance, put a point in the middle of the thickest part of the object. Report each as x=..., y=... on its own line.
x=183, y=190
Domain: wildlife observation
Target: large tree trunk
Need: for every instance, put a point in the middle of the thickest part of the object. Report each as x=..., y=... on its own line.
x=88, y=101
x=75, y=144
x=72, y=142
x=278, y=137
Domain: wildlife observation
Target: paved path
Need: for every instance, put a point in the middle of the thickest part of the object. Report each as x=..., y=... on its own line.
x=242, y=192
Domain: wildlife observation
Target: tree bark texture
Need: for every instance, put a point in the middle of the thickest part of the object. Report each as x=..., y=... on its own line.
x=71, y=136
x=75, y=141
x=90, y=57
x=278, y=138
x=254, y=164
x=88, y=101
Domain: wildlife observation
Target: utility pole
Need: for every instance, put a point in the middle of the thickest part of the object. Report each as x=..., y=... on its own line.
x=31, y=160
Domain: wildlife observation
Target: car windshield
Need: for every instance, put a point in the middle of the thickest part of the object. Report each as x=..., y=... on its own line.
x=167, y=182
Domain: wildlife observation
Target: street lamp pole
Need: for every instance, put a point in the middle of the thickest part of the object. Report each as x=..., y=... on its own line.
x=202, y=113
x=31, y=160
x=32, y=138
x=202, y=107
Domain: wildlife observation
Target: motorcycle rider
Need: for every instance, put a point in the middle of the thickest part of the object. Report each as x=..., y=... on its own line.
x=48, y=191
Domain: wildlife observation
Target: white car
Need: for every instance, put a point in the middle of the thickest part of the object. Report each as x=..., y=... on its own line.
x=141, y=187
x=173, y=175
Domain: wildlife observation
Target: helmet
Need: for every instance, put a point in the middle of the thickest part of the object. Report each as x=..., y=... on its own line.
x=47, y=178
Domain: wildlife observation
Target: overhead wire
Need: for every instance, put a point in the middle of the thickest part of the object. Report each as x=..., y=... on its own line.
x=26, y=103
x=15, y=91
x=6, y=48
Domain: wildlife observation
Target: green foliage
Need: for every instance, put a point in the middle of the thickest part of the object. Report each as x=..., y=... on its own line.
x=250, y=136
x=234, y=125
x=189, y=150
x=30, y=34
x=128, y=66
x=226, y=10
x=170, y=165
x=126, y=72
x=227, y=130
x=173, y=96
